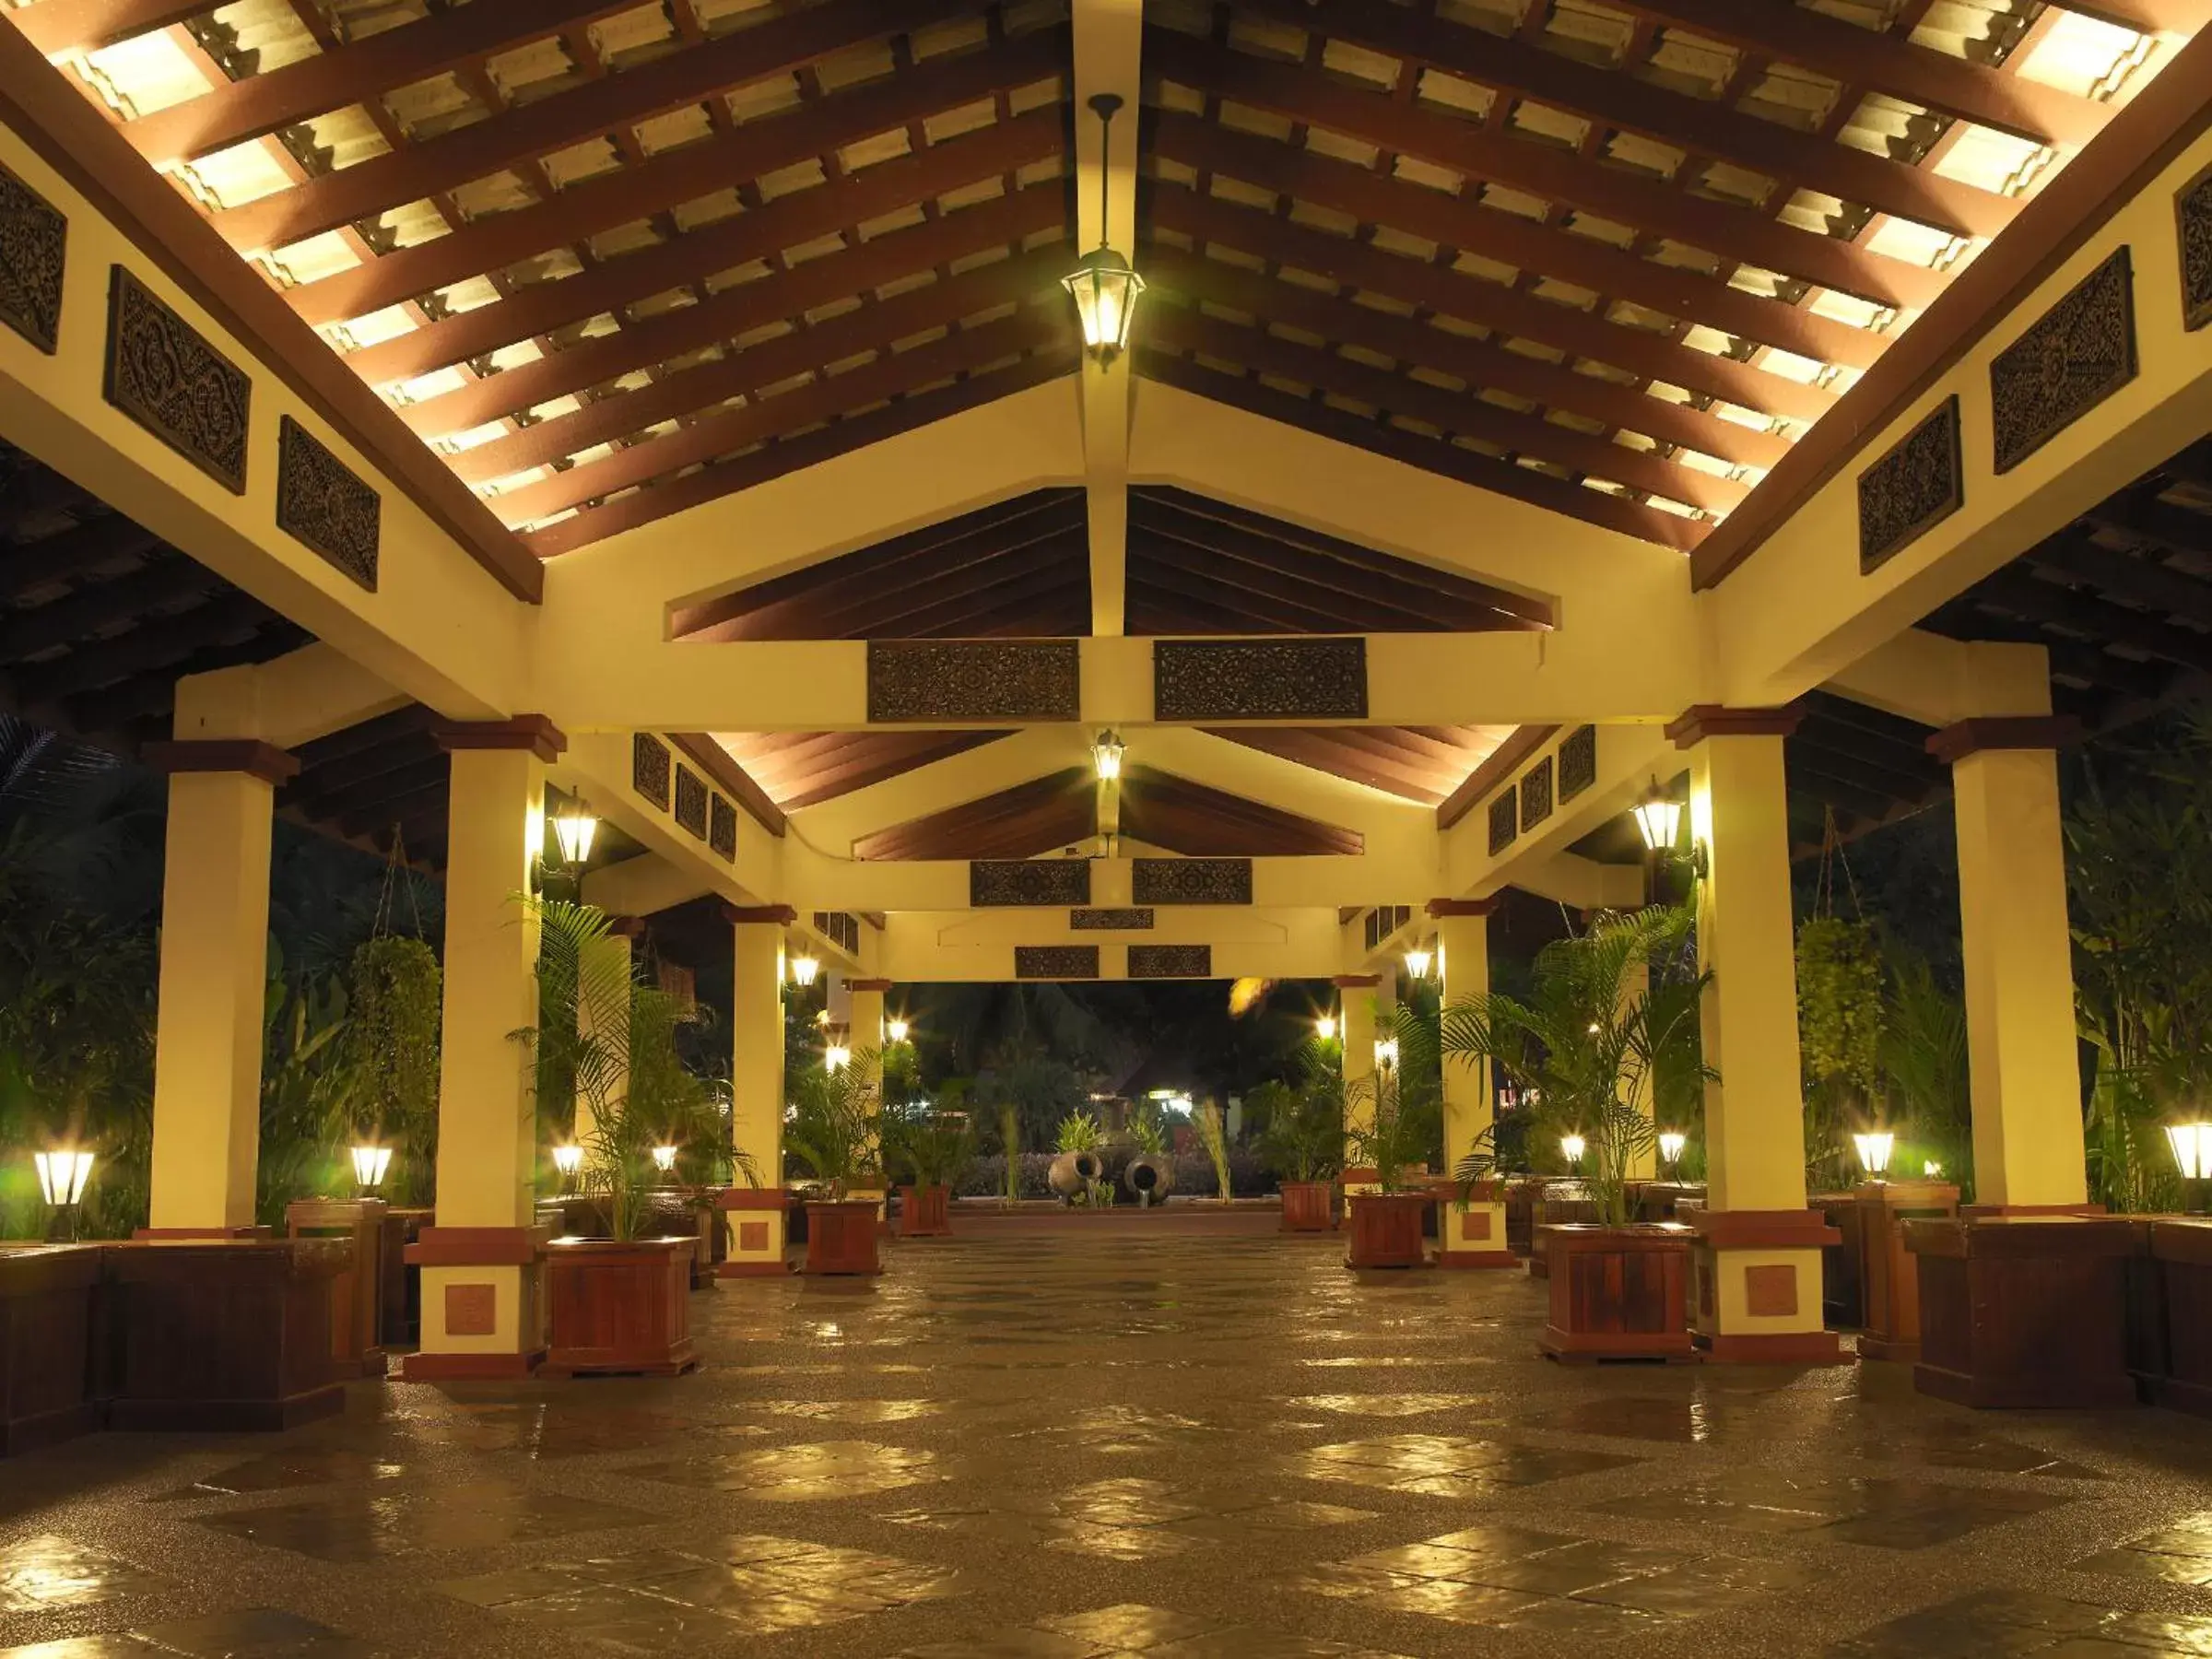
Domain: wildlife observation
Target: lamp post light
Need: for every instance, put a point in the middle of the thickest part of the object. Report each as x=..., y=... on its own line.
x=664, y=1160
x=1386, y=1053
x=1672, y=1143
x=63, y=1171
x=2192, y=1144
x=1874, y=1152
x=568, y=1162
x=370, y=1164
x=1104, y=285
x=1573, y=1146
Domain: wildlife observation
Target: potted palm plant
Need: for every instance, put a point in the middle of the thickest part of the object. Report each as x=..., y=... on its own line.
x=835, y=1132
x=932, y=1146
x=621, y=1303
x=1401, y=1126
x=1303, y=1140
x=1591, y=1043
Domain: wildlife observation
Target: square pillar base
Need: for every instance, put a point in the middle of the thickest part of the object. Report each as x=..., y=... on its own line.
x=483, y=1304
x=1756, y=1296
x=753, y=1222
x=1472, y=1235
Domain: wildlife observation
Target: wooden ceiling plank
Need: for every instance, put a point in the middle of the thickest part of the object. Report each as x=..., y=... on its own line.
x=1822, y=785
x=1296, y=747
x=727, y=430
x=1475, y=361
x=1289, y=607
x=723, y=245
x=847, y=432
x=144, y=697
x=254, y=105
x=349, y=800
x=1501, y=308
x=869, y=328
x=1504, y=760
x=1865, y=57
x=847, y=601
x=395, y=726
x=226, y=619
x=2147, y=16
x=1054, y=612
x=2071, y=658
x=1293, y=94
x=1484, y=472
x=2140, y=578
x=2069, y=609
x=1458, y=413
x=933, y=608
x=426, y=804
x=2177, y=529
x=59, y=27
x=874, y=764
x=88, y=610
x=1613, y=98
x=1198, y=820
x=74, y=554
x=794, y=291
x=724, y=771
x=1021, y=821
x=693, y=75
x=1361, y=602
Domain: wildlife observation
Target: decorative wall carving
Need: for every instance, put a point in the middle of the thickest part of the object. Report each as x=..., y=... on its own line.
x=1127, y=920
x=34, y=241
x=1190, y=880
x=1913, y=487
x=164, y=376
x=722, y=829
x=1505, y=820
x=1041, y=882
x=2192, y=209
x=1055, y=961
x=649, y=762
x=973, y=679
x=1578, y=762
x=1170, y=961
x=322, y=504
x=841, y=928
x=1259, y=680
x=1536, y=794
x=2075, y=356
x=691, y=800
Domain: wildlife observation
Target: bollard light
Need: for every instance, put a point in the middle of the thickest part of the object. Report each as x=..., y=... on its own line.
x=1386, y=1053
x=569, y=1162
x=63, y=1172
x=1874, y=1152
x=664, y=1160
x=1931, y=1169
x=836, y=1057
x=1574, y=1146
x=2191, y=1144
x=370, y=1163
x=1671, y=1145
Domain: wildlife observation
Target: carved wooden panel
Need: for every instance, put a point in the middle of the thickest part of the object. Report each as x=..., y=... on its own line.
x=649, y=764
x=34, y=241
x=1505, y=820
x=164, y=376
x=1170, y=961
x=2076, y=355
x=1003, y=881
x=691, y=800
x=323, y=505
x=1130, y=919
x=1190, y=880
x=841, y=928
x=1259, y=680
x=722, y=829
x=1055, y=961
x=1918, y=484
x=1578, y=762
x=2192, y=210
x=911, y=680
x=1536, y=794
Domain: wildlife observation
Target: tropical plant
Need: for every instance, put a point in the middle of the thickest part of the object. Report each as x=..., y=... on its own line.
x=1591, y=1043
x=1147, y=1135
x=836, y=1130
x=391, y=1050
x=1304, y=1139
x=1080, y=1131
x=1923, y=1063
x=1393, y=1118
x=931, y=1146
x=309, y=1093
x=1213, y=1135
x=1841, y=1014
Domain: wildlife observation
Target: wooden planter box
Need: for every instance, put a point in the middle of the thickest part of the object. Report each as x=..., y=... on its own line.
x=2023, y=1311
x=1308, y=1206
x=356, y=1322
x=1617, y=1292
x=221, y=1334
x=46, y=1326
x=1383, y=1230
x=1843, y=1263
x=925, y=1212
x=1559, y=1201
x=2171, y=1337
x=619, y=1307
x=1889, y=1277
x=841, y=1237
x=401, y=1296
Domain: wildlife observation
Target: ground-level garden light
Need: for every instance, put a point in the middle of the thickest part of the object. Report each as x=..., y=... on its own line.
x=2192, y=1144
x=1573, y=1146
x=63, y=1172
x=1672, y=1144
x=370, y=1164
x=664, y=1160
x=567, y=1161
x=1874, y=1152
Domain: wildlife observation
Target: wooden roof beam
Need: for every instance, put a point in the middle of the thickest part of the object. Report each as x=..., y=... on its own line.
x=1585, y=261
x=854, y=609
x=90, y=610
x=74, y=554
x=157, y=642
x=2071, y=609
x=1296, y=94
x=64, y=26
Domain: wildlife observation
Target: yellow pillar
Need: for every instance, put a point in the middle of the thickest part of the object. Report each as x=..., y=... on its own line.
x=753, y=1217
x=2025, y=1073
x=482, y=1309
x=215, y=928
x=1355, y=1028
x=1756, y=1291
x=1473, y=1234
x=865, y=1036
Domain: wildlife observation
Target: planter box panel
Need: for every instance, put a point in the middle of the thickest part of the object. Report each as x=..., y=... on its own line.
x=925, y=1212
x=619, y=1307
x=1384, y=1229
x=46, y=1328
x=2023, y=1312
x=841, y=1237
x=1618, y=1293
x=1308, y=1206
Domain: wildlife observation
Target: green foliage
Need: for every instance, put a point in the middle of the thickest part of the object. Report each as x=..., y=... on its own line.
x=308, y=1092
x=1840, y=1003
x=931, y=1145
x=835, y=1131
x=1394, y=1119
x=1080, y=1131
x=1589, y=1047
x=1213, y=1135
x=1303, y=1139
x=1147, y=1135
x=391, y=1049
x=1923, y=1063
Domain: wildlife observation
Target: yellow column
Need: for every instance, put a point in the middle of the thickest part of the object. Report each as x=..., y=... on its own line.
x=2019, y=975
x=1757, y=1294
x=215, y=928
x=1356, y=1028
x=865, y=1036
x=1474, y=1233
x=482, y=1309
x=753, y=1217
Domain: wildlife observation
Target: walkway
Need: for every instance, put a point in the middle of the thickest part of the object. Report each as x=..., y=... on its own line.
x=1075, y=1449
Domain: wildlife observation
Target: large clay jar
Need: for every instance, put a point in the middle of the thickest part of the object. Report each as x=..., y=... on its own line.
x=1148, y=1179
x=1073, y=1172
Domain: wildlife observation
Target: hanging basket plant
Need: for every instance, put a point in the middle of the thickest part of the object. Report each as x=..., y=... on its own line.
x=397, y=995
x=1840, y=1003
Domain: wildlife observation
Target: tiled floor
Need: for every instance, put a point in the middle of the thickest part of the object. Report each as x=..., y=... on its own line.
x=1179, y=1447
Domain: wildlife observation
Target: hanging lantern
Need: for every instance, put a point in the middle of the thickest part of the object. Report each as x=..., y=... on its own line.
x=897, y=1030
x=1658, y=817
x=1325, y=1028
x=369, y=1164
x=1105, y=287
x=803, y=970
x=1106, y=756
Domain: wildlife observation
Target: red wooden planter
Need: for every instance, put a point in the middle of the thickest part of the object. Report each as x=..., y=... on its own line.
x=1306, y=1207
x=925, y=1212
x=2023, y=1310
x=840, y=1238
x=46, y=1335
x=619, y=1306
x=1384, y=1229
x=1617, y=1292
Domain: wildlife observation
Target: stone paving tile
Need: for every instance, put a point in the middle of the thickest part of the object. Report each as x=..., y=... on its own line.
x=1133, y=1628
x=2022, y=1621
x=1441, y=1465
x=1893, y=1514
x=362, y=1525
x=46, y=1572
x=255, y=1634
x=2180, y=1554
